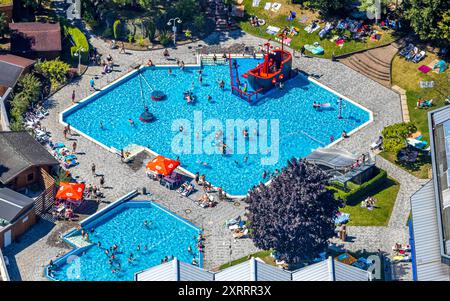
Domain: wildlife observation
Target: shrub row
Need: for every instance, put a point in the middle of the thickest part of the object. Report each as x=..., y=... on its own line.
x=363, y=190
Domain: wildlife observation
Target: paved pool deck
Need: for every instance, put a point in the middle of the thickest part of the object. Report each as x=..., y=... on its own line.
x=29, y=255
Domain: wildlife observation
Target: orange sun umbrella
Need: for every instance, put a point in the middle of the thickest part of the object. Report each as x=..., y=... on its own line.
x=70, y=191
x=162, y=165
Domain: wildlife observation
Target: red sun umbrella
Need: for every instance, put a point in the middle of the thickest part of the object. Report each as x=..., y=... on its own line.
x=70, y=191
x=162, y=165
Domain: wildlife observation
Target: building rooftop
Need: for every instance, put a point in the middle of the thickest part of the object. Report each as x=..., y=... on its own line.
x=255, y=270
x=35, y=36
x=19, y=152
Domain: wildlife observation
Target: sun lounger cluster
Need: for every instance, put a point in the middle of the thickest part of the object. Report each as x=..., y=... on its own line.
x=412, y=53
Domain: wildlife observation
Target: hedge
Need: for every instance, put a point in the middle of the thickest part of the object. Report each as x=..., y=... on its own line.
x=80, y=41
x=363, y=190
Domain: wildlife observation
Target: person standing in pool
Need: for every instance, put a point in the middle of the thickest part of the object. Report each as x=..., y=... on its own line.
x=209, y=98
x=131, y=122
x=169, y=71
x=101, y=126
x=222, y=84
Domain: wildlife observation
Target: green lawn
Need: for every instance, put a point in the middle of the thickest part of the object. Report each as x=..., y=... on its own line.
x=385, y=195
x=278, y=19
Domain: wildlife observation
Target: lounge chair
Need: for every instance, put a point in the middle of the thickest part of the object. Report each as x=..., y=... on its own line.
x=377, y=144
x=312, y=27
x=324, y=31
x=418, y=57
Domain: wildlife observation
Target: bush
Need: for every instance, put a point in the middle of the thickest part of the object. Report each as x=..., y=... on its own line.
x=79, y=39
x=364, y=190
x=394, y=136
x=55, y=70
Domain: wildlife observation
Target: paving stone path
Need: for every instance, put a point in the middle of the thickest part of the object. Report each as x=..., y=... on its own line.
x=122, y=178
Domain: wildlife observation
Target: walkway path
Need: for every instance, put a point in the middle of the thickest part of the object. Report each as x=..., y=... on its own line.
x=121, y=178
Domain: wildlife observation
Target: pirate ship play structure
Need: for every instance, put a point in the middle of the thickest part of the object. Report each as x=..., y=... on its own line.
x=276, y=68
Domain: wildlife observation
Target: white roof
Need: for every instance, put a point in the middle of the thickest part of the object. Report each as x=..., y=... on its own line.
x=253, y=270
x=174, y=270
x=331, y=270
x=426, y=236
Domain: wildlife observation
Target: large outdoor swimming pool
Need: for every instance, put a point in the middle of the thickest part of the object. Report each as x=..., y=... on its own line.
x=167, y=235
x=301, y=127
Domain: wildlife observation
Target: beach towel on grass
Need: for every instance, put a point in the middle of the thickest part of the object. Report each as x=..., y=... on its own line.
x=268, y=5
x=311, y=29
x=425, y=84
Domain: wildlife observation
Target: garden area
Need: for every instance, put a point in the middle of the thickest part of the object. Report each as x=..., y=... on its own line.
x=338, y=40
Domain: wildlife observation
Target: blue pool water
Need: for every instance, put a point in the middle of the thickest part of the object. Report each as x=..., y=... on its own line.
x=301, y=127
x=167, y=235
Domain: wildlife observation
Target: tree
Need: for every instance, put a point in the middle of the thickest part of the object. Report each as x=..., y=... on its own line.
x=295, y=214
x=329, y=7
x=428, y=18
x=394, y=136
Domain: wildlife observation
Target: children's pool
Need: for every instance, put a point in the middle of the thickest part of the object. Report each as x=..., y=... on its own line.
x=165, y=235
x=302, y=128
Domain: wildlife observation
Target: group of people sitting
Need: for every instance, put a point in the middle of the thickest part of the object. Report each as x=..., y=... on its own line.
x=93, y=192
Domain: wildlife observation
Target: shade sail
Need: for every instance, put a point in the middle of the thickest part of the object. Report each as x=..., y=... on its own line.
x=162, y=165
x=70, y=191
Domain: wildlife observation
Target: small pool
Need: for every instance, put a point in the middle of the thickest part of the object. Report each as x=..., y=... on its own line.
x=168, y=235
x=301, y=127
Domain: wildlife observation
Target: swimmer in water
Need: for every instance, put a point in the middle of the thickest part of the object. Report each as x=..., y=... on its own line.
x=181, y=129
x=101, y=125
x=209, y=98
x=169, y=71
x=131, y=122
